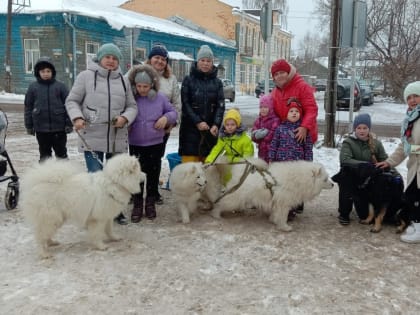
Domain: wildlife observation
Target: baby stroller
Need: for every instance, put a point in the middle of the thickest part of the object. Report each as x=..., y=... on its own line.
x=12, y=192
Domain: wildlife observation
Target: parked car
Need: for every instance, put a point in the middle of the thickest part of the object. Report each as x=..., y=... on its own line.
x=367, y=94
x=343, y=94
x=261, y=87
x=320, y=85
x=228, y=90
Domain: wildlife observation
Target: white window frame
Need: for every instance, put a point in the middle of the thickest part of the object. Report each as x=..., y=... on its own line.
x=32, y=53
x=91, y=49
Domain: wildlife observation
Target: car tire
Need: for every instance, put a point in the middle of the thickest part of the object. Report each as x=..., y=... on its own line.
x=233, y=98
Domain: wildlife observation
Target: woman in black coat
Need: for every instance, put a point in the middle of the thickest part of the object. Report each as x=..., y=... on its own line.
x=203, y=106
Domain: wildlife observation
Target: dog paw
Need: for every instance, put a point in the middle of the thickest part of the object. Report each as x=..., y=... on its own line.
x=364, y=222
x=375, y=230
x=101, y=246
x=115, y=238
x=45, y=255
x=285, y=228
x=185, y=220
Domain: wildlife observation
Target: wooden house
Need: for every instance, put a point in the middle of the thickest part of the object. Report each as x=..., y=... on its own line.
x=72, y=35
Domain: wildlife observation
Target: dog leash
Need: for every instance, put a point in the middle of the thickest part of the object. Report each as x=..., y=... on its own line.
x=95, y=156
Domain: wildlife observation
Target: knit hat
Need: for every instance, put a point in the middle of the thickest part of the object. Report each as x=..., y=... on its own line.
x=280, y=65
x=296, y=105
x=159, y=50
x=412, y=88
x=233, y=114
x=109, y=49
x=205, y=52
x=362, y=119
x=267, y=101
x=143, y=77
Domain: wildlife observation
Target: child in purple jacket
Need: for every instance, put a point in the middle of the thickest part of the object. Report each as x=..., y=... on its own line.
x=284, y=146
x=146, y=134
x=264, y=126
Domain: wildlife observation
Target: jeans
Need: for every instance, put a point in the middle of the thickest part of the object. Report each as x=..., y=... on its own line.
x=92, y=163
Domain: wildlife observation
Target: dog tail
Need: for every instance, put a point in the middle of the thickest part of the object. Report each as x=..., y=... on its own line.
x=50, y=171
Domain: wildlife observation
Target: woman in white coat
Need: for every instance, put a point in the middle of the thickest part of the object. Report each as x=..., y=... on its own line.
x=410, y=147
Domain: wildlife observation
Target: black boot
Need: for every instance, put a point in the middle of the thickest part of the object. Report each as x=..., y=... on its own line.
x=121, y=219
x=150, y=208
x=137, y=211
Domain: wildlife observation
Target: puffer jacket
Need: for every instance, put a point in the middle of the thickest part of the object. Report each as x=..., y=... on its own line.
x=297, y=88
x=98, y=95
x=270, y=122
x=413, y=163
x=233, y=147
x=355, y=151
x=202, y=100
x=44, y=103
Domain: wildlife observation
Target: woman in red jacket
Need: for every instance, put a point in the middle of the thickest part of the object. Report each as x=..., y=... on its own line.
x=290, y=85
x=290, y=88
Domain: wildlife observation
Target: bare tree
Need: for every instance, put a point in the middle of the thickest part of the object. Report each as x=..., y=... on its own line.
x=393, y=36
x=394, y=33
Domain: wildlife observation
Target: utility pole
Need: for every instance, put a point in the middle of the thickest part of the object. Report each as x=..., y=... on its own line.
x=331, y=90
x=8, y=76
x=266, y=25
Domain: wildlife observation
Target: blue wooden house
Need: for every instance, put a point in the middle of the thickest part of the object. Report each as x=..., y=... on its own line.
x=72, y=35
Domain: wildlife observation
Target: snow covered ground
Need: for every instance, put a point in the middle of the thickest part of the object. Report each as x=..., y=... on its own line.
x=238, y=265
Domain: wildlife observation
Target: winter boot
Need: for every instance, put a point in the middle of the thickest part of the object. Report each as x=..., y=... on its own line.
x=137, y=211
x=412, y=234
x=150, y=208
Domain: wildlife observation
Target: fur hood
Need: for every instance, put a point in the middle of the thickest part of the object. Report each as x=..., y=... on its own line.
x=149, y=70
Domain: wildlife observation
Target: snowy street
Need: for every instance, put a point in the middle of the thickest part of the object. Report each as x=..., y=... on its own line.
x=240, y=264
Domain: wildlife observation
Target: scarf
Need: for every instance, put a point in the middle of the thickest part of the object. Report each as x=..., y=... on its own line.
x=407, y=126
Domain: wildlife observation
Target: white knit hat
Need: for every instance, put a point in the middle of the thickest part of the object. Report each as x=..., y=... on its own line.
x=412, y=88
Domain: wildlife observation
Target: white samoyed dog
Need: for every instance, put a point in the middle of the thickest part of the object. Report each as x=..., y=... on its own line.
x=57, y=191
x=194, y=186
x=275, y=191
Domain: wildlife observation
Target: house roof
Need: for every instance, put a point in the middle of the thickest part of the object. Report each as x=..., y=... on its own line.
x=117, y=18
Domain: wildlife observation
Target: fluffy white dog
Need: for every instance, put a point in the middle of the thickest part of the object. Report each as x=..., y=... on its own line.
x=58, y=191
x=275, y=191
x=194, y=185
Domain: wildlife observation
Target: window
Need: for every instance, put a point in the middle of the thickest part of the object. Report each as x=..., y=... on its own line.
x=140, y=54
x=32, y=54
x=91, y=51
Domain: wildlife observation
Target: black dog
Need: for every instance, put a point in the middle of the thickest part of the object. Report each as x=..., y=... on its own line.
x=383, y=190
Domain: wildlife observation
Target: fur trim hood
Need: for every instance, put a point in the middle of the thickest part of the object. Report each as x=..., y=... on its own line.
x=150, y=71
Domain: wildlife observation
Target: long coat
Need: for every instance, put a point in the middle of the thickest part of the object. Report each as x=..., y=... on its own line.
x=413, y=163
x=202, y=100
x=98, y=95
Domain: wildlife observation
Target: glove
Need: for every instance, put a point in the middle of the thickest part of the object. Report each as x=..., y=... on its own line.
x=260, y=133
x=30, y=132
x=68, y=129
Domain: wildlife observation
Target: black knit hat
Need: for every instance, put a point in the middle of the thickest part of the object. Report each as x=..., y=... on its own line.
x=159, y=50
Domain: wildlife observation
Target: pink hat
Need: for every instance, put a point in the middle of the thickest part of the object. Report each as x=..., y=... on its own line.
x=280, y=65
x=266, y=100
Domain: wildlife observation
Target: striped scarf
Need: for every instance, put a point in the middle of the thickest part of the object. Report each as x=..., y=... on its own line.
x=407, y=126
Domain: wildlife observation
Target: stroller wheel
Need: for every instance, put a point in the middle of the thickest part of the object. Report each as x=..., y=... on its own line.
x=12, y=196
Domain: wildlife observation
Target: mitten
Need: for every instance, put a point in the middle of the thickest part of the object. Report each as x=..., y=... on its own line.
x=30, y=131
x=260, y=133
